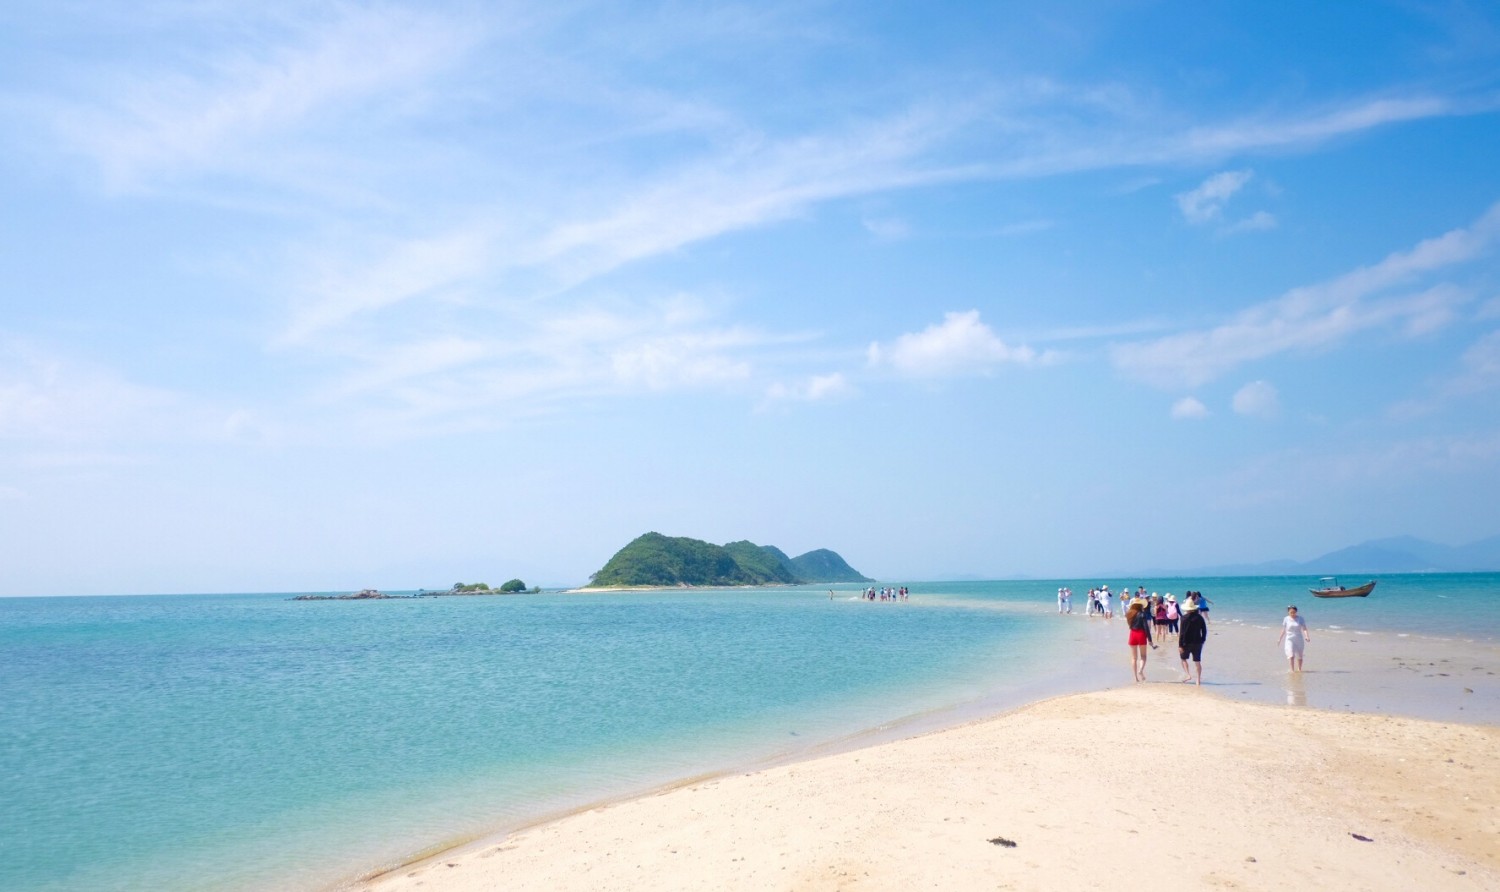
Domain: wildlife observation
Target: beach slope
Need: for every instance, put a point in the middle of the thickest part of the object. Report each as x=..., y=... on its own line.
x=1128, y=788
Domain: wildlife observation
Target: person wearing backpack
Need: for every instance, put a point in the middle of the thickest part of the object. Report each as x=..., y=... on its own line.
x=1138, y=618
x=1190, y=639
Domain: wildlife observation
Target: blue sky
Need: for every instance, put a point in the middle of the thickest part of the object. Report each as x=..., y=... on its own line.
x=318, y=296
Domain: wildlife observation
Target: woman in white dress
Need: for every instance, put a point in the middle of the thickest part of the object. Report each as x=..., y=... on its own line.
x=1293, y=637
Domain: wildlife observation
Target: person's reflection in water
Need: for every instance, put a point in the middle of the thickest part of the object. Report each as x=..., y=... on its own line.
x=1296, y=691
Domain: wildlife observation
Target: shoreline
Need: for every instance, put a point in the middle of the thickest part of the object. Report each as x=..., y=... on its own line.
x=929, y=809
x=1236, y=675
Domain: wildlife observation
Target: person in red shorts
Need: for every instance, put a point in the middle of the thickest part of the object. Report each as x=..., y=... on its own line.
x=1138, y=620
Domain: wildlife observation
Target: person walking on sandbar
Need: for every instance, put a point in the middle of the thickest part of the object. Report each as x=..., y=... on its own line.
x=1190, y=639
x=1138, y=619
x=1293, y=637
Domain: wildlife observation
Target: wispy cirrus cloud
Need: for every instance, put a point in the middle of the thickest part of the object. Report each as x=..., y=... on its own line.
x=754, y=183
x=760, y=181
x=1316, y=316
x=453, y=262
x=1309, y=127
x=334, y=288
x=549, y=357
x=262, y=106
x=1106, y=138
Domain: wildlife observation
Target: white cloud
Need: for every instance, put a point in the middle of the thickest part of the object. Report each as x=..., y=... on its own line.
x=1205, y=203
x=1189, y=408
x=749, y=183
x=531, y=359
x=811, y=389
x=1219, y=140
x=641, y=170
x=1256, y=222
x=1257, y=399
x=436, y=267
x=959, y=345
x=1317, y=316
x=753, y=182
x=678, y=362
x=217, y=116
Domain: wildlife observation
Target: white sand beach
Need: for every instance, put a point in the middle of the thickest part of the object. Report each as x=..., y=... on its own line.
x=1140, y=785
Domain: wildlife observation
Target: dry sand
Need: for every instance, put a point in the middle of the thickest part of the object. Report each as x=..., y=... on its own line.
x=1156, y=785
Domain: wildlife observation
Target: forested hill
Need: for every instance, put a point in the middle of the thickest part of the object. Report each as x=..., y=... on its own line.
x=657, y=560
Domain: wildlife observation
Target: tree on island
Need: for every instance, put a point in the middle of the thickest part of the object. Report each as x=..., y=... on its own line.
x=471, y=587
x=512, y=587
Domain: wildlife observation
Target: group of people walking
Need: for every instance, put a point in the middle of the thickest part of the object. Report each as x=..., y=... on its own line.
x=1152, y=618
x=1187, y=623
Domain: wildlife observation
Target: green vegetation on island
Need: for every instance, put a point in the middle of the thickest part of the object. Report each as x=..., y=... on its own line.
x=654, y=560
x=513, y=587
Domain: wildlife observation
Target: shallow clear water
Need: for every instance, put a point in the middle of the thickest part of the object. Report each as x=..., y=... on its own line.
x=148, y=742
x=1462, y=605
x=253, y=742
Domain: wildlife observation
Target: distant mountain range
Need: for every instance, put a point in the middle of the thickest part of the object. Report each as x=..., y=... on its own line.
x=662, y=561
x=1399, y=554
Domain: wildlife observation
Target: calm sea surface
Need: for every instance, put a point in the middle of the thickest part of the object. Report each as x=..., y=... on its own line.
x=253, y=742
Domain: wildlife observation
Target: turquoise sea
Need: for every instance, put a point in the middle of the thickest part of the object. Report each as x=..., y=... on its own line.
x=251, y=742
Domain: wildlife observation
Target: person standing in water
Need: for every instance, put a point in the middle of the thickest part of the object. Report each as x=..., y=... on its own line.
x=1293, y=638
x=1190, y=639
x=1139, y=622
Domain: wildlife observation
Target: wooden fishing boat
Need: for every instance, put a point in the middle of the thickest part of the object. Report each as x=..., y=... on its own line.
x=1330, y=588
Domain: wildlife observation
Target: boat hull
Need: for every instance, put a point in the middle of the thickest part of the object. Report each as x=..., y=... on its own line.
x=1359, y=592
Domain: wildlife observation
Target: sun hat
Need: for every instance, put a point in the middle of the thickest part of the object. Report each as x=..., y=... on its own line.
x=1191, y=606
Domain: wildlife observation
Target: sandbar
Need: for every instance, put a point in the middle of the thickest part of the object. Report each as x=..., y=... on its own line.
x=1159, y=784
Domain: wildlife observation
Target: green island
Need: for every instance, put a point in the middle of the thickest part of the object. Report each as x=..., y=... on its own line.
x=513, y=587
x=656, y=561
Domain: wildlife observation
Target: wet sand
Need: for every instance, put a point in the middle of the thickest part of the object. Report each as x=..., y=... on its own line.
x=1261, y=778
